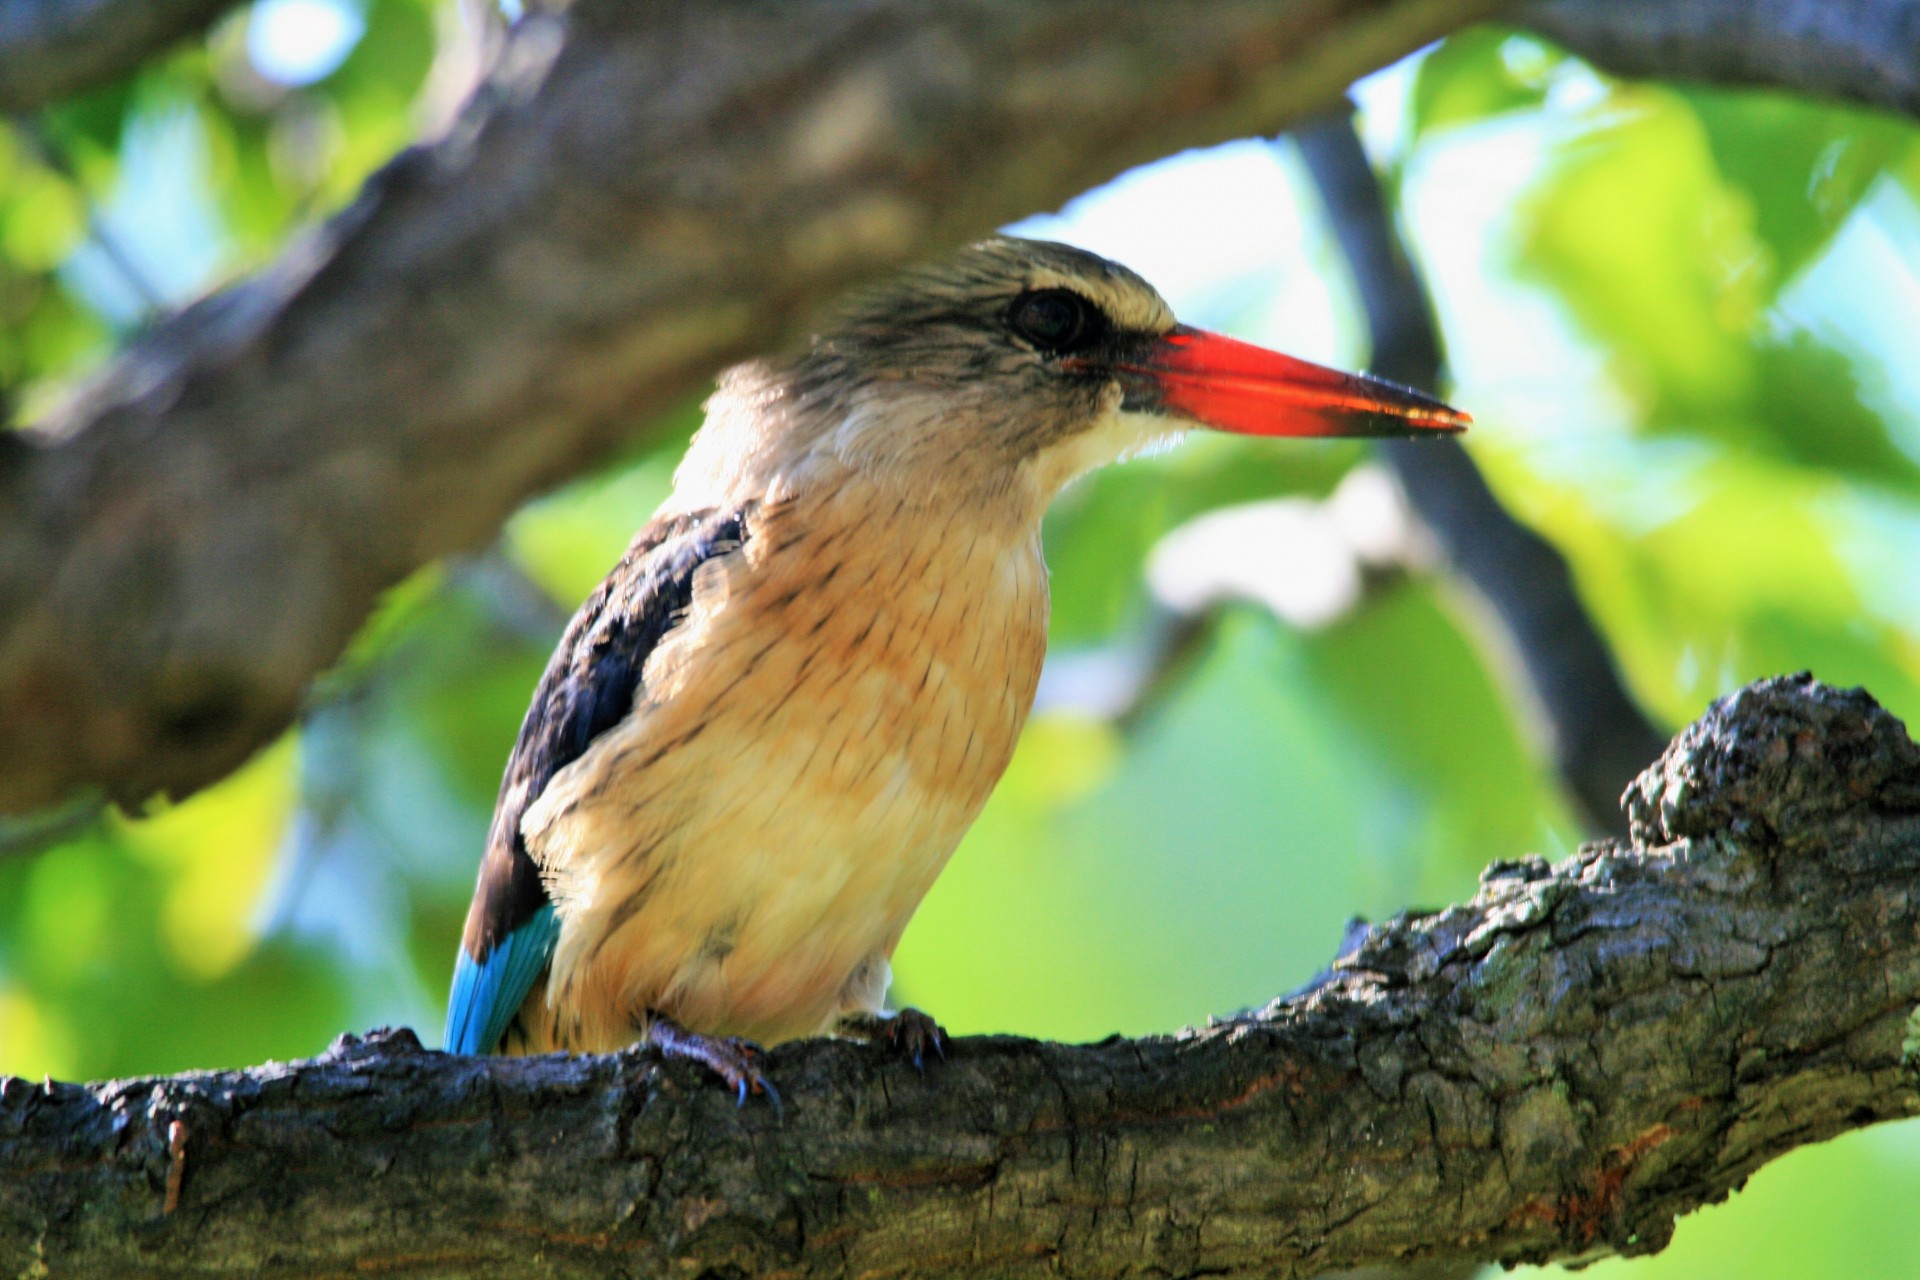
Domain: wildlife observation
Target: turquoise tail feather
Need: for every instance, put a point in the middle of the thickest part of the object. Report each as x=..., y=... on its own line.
x=487, y=993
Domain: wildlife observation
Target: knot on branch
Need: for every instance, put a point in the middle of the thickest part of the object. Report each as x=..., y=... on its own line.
x=381, y=1042
x=1777, y=756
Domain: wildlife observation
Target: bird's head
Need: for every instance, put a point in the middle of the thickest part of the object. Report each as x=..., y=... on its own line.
x=1016, y=365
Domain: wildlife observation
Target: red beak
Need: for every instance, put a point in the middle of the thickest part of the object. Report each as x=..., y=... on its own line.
x=1235, y=386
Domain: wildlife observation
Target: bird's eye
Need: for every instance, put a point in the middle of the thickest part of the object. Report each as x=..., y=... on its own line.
x=1054, y=320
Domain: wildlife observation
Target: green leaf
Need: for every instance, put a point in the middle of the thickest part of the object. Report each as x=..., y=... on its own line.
x=389, y=64
x=1801, y=166
x=1477, y=73
x=1809, y=410
x=94, y=120
x=44, y=218
x=1653, y=255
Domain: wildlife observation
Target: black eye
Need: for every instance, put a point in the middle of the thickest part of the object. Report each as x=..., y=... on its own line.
x=1055, y=320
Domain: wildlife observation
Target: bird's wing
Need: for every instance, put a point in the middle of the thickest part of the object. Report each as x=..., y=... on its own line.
x=589, y=687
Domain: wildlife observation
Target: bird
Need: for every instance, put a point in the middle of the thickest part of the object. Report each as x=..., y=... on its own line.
x=761, y=737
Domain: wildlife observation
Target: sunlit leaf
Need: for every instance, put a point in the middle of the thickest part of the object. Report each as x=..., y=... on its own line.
x=34, y=1039
x=1479, y=72
x=216, y=852
x=1654, y=255
x=44, y=218
x=1802, y=167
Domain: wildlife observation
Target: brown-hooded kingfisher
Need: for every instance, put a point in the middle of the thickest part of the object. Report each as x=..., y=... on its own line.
x=762, y=736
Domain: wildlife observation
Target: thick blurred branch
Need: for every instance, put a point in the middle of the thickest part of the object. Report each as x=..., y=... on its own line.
x=1551, y=1071
x=53, y=49
x=639, y=195
x=1865, y=51
x=1598, y=736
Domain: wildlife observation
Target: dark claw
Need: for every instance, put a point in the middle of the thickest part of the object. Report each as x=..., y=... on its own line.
x=909, y=1031
x=912, y=1031
x=732, y=1059
x=935, y=1037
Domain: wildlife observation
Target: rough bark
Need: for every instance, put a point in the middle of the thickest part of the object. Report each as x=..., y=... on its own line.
x=1554, y=1070
x=1595, y=732
x=640, y=194
x=52, y=49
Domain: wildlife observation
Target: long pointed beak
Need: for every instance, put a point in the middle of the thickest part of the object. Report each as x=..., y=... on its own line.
x=1235, y=386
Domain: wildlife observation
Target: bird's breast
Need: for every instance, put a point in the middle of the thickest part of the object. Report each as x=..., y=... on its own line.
x=810, y=745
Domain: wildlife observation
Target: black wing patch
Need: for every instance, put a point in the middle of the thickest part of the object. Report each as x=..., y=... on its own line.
x=589, y=687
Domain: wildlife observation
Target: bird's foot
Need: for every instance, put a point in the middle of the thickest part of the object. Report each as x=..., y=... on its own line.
x=733, y=1059
x=910, y=1032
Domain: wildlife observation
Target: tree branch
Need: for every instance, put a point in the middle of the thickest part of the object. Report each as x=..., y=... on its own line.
x=639, y=195
x=1865, y=51
x=1553, y=1070
x=53, y=49
x=1597, y=735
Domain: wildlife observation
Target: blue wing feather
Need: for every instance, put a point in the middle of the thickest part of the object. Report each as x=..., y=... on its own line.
x=487, y=993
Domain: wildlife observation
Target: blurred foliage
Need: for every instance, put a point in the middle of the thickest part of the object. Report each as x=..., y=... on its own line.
x=1677, y=315
x=140, y=195
x=1115, y=516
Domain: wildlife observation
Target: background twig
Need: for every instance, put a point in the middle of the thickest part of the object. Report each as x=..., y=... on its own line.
x=1598, y=736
